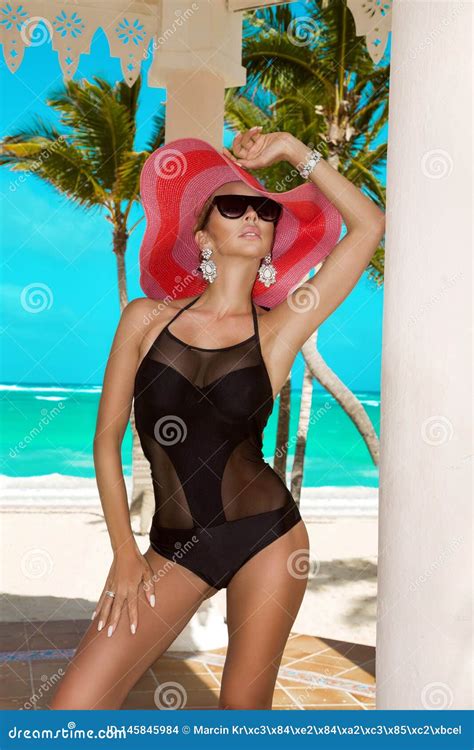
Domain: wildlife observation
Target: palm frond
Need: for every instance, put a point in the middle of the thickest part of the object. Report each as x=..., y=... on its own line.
x=325, y=89
x=100, y=126
x=127, y=184
x=157, y=137
x=57, y=163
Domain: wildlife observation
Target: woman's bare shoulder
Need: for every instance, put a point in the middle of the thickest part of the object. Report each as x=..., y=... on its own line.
x=144, y=314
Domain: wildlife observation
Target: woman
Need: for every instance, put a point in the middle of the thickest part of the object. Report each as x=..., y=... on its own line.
x=202, y=373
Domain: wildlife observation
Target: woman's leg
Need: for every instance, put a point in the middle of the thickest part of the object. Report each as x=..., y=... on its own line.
x=263, y=599
x=104, y=670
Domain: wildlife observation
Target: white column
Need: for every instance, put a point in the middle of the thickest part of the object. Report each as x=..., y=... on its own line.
x=194, y=105
x=424, y=625
x=198, y=54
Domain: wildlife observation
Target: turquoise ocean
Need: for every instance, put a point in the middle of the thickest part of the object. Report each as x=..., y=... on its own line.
x=50, y=429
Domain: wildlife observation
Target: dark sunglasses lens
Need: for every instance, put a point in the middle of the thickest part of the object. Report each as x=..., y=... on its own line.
x=269, y=210
x=234, y=206
x=231, y=206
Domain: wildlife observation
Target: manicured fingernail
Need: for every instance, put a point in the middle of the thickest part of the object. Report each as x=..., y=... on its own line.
x=93, y=614
x=133, y=628
x=110, y=631
x=152, y=600
x=100, y=625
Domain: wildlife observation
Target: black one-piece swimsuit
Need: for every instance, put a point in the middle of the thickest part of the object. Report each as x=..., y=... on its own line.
x=200, y=414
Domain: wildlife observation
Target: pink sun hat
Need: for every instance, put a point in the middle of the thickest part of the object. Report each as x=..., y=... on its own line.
x=176, y=180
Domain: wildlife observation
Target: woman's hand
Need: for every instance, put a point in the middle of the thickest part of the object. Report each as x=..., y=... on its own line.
x=253, y=149
x=129, y=570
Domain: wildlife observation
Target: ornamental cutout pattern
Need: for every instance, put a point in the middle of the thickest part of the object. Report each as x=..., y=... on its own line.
x=130, y=26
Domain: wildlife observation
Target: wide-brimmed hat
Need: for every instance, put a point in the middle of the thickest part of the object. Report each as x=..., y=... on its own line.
x=175, y=182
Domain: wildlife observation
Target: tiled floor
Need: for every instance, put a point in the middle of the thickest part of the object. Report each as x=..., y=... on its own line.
x=315, y=673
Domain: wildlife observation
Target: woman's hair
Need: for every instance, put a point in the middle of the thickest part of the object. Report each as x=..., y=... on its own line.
x=201, y=220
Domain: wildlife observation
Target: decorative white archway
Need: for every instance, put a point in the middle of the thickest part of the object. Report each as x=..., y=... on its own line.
x=194, y=50
x=131, y=26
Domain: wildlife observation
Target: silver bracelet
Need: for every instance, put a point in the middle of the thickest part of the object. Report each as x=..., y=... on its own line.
x=313, y=157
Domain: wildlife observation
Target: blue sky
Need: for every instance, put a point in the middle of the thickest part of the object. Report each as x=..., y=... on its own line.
x=47, y=241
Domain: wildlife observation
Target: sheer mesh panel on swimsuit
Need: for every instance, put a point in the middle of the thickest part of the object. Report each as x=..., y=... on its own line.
x=200, y=414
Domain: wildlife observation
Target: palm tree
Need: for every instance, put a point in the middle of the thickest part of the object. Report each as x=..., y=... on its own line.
x=313, y=77
x=92, y=161
x=302, y=434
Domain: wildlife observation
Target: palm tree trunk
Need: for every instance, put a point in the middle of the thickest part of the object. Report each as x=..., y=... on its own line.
x=302, y=435
x=142, y=501
x=120, y=237
x=345, y=398
x=283, y=430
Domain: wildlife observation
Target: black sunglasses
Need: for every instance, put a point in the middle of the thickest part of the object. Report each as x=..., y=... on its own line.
x=234, y=206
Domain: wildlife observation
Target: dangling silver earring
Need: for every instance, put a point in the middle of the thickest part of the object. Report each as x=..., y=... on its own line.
x=208, y=267
x=267, y=271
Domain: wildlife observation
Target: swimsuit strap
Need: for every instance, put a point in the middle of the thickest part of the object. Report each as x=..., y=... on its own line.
x=255, y=328
x=255, y=320
x=181, y=310
x=257, y=333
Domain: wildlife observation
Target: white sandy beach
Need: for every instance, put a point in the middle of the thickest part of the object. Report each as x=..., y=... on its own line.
x=56, y=553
